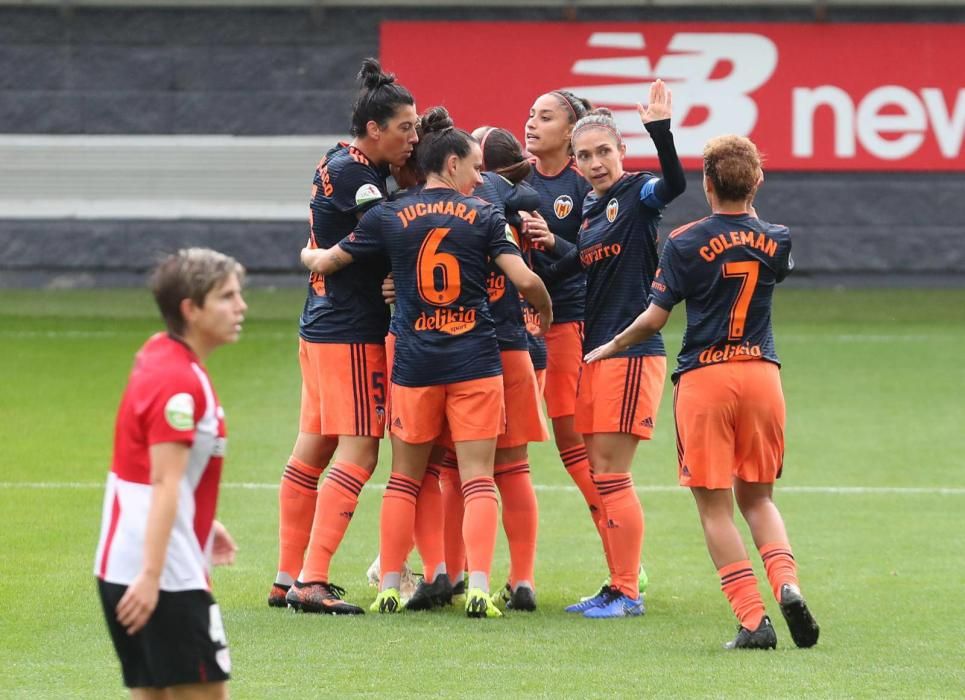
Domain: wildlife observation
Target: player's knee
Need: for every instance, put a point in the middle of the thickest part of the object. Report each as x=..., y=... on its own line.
x=360, y=451
x=564, y=435
x=315, y=450
x=750, y=493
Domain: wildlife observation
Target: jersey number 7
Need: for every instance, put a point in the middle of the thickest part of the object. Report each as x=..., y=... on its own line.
x=747, y=272
x=437, y=274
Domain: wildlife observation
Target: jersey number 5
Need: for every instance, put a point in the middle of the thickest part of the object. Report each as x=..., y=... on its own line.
x=747, y=272
x=437, y=273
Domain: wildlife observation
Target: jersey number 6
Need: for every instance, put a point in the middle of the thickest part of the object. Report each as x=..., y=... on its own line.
x=747, y=272
x=437, y=273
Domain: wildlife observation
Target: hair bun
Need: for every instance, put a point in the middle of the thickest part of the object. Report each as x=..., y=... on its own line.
x=602, y=111
x=371, y=75
x=435, y=119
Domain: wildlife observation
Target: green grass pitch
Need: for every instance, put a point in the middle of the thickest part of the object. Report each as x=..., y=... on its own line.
x=873, y=495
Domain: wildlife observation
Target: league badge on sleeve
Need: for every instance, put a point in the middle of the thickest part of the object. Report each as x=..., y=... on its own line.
x=612, y=209
x=179, y=411
x=563, y=206
x=366, y=194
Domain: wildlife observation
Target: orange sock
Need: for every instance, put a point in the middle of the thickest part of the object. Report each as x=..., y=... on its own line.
x=428, y=525
x=479, y=528
x=624, y=529
x=452, y=506
x=336, y=505
x=780, y=566
x=396, y=526
x=296, y=509
x=578, y=467
x=739, y=584
x=520, y=519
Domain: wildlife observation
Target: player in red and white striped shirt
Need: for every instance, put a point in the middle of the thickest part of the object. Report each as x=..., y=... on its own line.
x=158, y=533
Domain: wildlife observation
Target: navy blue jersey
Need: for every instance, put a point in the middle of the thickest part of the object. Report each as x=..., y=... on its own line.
x=504, y=300
x=439, y=243
x=618, y=250
x=725, y=266
x=561, y=204
x=347, y=306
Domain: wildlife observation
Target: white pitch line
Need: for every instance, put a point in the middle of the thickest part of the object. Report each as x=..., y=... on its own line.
x=551, y=488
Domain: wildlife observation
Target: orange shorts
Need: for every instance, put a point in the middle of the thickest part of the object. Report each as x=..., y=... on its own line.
x=564, y=355
x=389, y=359
x=620, y=395
x=343, y=388
x=472, y=409
x=389, y=352
x=730, y=423
x=524, y=414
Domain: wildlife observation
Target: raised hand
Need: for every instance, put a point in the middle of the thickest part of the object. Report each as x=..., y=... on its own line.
x=660, y=103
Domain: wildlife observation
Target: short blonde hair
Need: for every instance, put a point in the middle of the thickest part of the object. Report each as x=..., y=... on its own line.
x=189, y=274
x=733, y=165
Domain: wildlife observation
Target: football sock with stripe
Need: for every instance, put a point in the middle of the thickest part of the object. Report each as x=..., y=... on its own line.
x=296, y=510
x=396, y=526
x=739, y=584
x=453, y=511
x=429, y=537
x=337, y=499
x=577, y=465
x=624, y=529
x=780, y=566
x=479, y=528
x=520, y=519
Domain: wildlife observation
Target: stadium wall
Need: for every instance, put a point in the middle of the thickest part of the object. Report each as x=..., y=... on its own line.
x=257, y=73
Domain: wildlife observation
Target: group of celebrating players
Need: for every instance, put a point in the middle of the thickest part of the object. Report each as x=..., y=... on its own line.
x=516, y=277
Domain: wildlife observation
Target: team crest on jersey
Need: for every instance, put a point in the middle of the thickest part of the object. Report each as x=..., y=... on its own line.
x=179, y=411
x=366, y=194
x=563, y=206
x=612, y=209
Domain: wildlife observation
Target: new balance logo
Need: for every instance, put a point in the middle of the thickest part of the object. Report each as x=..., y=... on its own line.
x=689, y=67
x=647, y=422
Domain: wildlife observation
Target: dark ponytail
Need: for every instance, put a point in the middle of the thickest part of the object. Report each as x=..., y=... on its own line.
x=379, y=97
x=441, y=139
x=503, y=154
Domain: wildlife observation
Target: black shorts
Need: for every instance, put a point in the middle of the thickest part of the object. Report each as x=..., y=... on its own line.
x=182, y=642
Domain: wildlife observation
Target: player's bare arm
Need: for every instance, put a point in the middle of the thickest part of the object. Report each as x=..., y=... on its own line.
x=530, y=286
x=169, y=461
x=325, y=261
x=645, y=326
